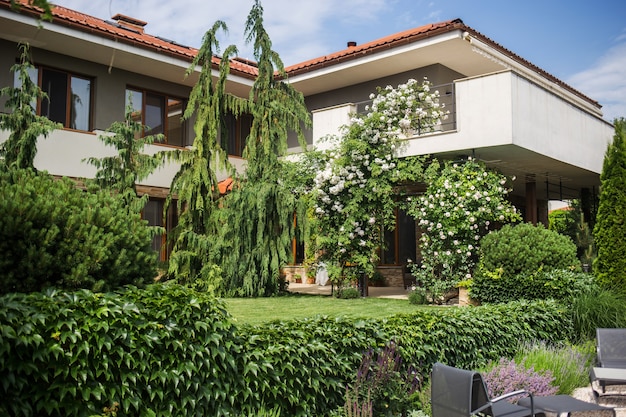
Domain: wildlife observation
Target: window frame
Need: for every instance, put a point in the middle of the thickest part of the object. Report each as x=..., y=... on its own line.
x=166, y=99
x=68, y=105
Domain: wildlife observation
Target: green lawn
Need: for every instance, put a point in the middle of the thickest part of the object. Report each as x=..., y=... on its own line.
x=297, y=306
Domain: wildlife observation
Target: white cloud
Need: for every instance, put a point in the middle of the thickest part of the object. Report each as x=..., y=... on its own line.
x=299, y=29
x=605, y=82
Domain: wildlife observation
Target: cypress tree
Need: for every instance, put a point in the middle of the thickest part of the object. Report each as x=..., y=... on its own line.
x=258, y=214
x=609, y=233
x=19, y=150
x=195, y=185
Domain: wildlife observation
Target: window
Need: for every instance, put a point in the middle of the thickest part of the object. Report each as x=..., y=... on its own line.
x=400, y=243
x=153, y=213
x=237, y=131
x=160, y=114
x=68, y=98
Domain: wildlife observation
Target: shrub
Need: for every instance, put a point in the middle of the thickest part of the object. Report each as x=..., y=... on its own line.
x=348, y=293
x=418, y=296
x=568, y=366
x=525, y=248
x=169, y=350
x=308, y=363
x=53, y=234
x=469, y=337
x=610, y=229
x=495, y=287
x=599, y=308
x=166, y=349
x=382, y=383
x=507, y=376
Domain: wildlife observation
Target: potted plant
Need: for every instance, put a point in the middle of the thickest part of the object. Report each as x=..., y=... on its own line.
x=297, y=278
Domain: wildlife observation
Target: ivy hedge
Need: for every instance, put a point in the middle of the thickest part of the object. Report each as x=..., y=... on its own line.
x=168, y=350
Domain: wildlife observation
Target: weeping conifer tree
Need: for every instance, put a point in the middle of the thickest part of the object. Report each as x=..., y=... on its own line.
x=609, y=233
x=258, y=222
x=19, y=150
x=195, y=185
x=120, y=173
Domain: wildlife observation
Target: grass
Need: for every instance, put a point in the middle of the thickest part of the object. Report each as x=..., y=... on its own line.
x=299, y=306
x=568, y=364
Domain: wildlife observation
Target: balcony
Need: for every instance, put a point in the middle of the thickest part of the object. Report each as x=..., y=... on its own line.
x=512, y=124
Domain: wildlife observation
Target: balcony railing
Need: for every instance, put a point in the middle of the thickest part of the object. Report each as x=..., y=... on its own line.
x=446, y=98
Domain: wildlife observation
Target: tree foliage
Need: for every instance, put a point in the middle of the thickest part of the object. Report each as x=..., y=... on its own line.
x=44, y=5
x=195, y=185
x=53, y=234
x=120, y=173
x=257, y=217
x=19, y=150
x=610, y=229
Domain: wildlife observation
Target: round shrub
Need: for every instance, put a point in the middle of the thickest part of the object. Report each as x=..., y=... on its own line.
x=418, y=297
x=53, y=234
x=524, y=248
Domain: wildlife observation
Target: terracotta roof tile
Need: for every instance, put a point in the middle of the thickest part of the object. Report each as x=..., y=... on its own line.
x=248, y=69
x=373, y=46
x=113, y=30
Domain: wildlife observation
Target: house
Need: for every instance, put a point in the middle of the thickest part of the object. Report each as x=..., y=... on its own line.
x=504, y=110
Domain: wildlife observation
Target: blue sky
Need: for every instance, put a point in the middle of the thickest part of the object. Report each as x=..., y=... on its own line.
x=581, y=42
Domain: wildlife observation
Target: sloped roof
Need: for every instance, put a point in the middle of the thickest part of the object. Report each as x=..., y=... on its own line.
x=247, y=69
x=414, y=35
x=122, y=33
x=353, y=52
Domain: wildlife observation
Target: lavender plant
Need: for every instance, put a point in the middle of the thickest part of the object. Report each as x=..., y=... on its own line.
x=508, y=376
x=382, y=384
x=568, y=365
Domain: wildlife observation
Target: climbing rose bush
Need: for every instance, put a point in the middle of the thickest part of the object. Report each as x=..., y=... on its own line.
x=463, y=202
x=354, y=195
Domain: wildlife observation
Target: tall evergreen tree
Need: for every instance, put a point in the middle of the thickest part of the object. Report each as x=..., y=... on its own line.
x=258, y=213
x=19, y=150
x=196, y=184
x=609, y=233
x=121, y=173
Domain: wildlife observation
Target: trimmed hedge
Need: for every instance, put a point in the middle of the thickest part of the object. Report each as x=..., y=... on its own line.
x=164, y=349
x=168, y=350
x=540, y=285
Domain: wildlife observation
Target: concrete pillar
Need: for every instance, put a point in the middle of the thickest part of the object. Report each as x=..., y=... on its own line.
x=531, y=200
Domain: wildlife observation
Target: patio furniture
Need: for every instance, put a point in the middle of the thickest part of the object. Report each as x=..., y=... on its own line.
x=611, y=348
x=461, y=393
x=607, y=376
x=564, y=404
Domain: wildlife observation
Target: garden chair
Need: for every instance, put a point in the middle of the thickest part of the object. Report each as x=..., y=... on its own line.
x=611, y=348
x=610, y=366
x=460, y=393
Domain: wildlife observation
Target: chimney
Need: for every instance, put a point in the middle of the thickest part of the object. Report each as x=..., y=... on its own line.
x=130, y=23
x=351, y=44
